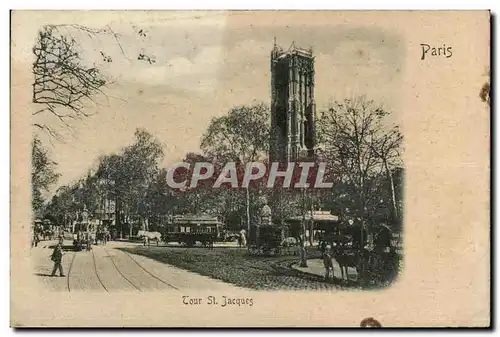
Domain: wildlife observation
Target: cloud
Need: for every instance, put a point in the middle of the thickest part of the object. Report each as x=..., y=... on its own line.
x=207, y=61
x=251, y=47
x=198, y=73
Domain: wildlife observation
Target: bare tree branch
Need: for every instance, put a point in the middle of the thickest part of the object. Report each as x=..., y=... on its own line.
x=62, y=84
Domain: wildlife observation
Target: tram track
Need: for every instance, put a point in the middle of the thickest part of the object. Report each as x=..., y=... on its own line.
x=142, y=268
x=119, y=271
x=69, y=271
x=97, y=273
x=147, y=271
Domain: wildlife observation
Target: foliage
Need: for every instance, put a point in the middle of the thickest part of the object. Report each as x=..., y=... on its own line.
x=43, y=174
x=359, y=144
x=131, y=178
x=242, y=135
x=361, y=150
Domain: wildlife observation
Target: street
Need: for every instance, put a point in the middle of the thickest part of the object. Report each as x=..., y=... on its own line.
x=111, y=269
x=127, y=266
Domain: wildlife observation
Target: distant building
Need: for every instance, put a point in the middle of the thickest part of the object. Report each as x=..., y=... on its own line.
x=106, y=212
x=293, y=106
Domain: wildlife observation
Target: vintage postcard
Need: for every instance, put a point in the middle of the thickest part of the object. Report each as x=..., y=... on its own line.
x=250, y=169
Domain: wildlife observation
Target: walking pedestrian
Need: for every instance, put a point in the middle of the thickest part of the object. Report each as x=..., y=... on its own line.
x=57, y=258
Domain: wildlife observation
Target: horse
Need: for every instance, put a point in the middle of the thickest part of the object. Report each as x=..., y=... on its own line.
x=148, y=236
x=347, y=259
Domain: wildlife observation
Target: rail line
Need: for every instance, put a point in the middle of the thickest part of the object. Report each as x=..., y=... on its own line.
x=147, y=271
x=96, y=273
x=69, y=270
x=119, y=271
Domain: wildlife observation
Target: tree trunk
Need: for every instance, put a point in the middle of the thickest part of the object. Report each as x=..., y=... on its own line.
x=247, y=198
x=311, y=227
x=302, y=252
x=118, y=223
x=393, y=191
x=363, y=275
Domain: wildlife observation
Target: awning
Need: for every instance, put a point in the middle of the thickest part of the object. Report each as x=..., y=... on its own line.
x=316, y=216
x=193, y=219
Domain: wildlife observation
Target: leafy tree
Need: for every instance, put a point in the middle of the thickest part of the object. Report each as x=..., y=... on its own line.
x=241, y=136
x=62, y=206
x=159, y=198
x=387, y=146
x=360, y=144
x=43, y=174
x=134, y=171
x=141, y=161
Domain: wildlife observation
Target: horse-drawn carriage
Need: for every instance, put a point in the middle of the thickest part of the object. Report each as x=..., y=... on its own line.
x=102, y=236
x=265, y=239
x=82, y=241
x=43, y=230
x=371, y=253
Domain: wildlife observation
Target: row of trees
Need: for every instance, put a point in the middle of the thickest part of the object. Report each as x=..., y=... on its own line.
x=362, y=152
x=43, y=175
x=66, y=83
x=361, y=149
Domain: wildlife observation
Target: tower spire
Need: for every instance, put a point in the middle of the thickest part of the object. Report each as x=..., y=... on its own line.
x=293, y=106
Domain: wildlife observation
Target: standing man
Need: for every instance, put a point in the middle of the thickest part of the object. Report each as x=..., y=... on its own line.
x=57, y=258
x=105, y=235
x=37, y=238
x=243, y=237
x=327, y=262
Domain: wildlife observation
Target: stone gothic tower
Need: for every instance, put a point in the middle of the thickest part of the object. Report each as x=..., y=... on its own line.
x=293, y=107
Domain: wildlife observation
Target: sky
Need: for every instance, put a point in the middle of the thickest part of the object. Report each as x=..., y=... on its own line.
x=205, y=64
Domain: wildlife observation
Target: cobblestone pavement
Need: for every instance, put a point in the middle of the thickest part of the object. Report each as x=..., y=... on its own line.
x=111, y=268
x=235, y=266
x=316, y=267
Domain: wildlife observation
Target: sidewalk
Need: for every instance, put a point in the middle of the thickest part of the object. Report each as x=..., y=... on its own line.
x=316, y=267
x=42, y=265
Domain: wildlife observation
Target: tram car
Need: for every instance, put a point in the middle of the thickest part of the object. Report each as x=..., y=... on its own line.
x=265, y=239
x=84, y=236
x=82, y=241
x=190, y=229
